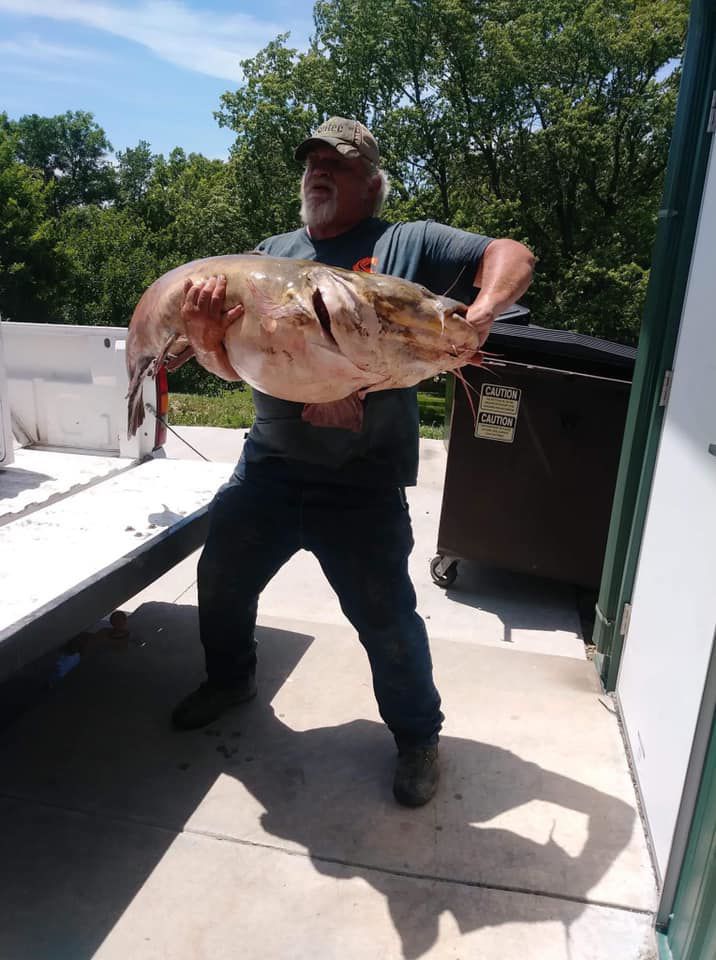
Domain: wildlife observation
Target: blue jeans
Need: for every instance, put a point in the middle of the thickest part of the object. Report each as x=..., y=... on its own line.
x=362, y=538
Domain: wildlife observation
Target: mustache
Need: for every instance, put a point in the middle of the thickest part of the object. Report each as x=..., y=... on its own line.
x=318, y=180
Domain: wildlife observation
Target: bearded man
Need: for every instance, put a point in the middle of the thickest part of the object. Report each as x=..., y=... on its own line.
x=334, y=492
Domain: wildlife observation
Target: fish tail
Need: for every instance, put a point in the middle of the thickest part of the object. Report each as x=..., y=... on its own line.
x=135, y=411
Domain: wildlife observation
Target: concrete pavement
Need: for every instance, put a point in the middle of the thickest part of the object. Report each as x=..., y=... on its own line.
x=273, y=833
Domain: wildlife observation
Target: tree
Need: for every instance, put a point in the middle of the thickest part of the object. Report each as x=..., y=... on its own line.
x=193, y=208
x=270, y=114
x=29, y=271
x=135, y=167
x=110, y=262
x=544, y=120
x=71, y=151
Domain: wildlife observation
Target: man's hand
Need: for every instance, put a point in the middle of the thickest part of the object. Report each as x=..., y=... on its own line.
x=206, y=322
x=202, y=309
x=504, y=274
x=481, y=315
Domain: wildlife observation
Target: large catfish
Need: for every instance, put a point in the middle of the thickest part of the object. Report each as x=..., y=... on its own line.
x=318, y=335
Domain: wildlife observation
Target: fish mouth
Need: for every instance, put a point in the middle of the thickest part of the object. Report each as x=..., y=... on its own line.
x=453, y=307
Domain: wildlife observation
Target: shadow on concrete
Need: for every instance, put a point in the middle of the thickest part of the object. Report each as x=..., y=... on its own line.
x=94, y=787
x=519, y=600
x=17, y=479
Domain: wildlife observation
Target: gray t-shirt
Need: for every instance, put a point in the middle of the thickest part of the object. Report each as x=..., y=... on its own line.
x=385, y=452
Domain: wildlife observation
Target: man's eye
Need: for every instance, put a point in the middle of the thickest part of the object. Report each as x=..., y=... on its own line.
x=329, y=163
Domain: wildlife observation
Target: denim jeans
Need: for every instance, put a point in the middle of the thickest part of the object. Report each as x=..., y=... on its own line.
x=362, y=538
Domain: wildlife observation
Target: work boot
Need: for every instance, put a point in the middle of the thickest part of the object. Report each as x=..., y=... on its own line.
x=416, y=775
x=208, y=702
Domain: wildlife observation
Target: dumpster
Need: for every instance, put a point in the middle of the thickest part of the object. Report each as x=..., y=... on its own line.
x=531, y=472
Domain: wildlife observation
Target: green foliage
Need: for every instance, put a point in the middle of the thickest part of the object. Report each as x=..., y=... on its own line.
x=234, y=407
x=71, y=151
x=112, y=262
x=227, y=408
x=269, y=118
x=28, y=270
x=543, y=120
x=194, y=208
x=431, y=408
x=135, y=167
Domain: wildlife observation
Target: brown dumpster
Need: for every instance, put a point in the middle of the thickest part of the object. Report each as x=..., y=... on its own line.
x=530, y=476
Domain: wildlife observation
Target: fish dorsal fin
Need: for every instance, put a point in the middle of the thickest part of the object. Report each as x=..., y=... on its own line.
x=345, y=414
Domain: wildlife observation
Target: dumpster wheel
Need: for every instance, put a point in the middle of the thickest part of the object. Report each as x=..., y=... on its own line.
x=443, y=577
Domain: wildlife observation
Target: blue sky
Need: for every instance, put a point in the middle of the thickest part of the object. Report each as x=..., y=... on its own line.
x=148, y=70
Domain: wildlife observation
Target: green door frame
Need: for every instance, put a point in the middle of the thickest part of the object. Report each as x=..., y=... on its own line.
x=691, y=930
x=678, y=218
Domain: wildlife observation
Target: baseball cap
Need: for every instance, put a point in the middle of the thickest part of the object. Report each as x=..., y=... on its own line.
x=349, y=137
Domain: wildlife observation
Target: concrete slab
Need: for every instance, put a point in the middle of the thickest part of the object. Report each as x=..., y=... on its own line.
x=535, y=797
x=78, y=887
x=273, y=833
x=220, y=444
x=484, y=606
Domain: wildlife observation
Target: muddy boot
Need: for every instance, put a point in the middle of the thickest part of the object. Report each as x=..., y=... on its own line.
x=416, y=775
x=208, y=702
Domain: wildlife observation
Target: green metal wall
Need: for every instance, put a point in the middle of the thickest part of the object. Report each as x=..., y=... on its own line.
x=691, y=934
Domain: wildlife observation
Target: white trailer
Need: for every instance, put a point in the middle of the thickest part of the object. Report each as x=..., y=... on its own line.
x=87, y=517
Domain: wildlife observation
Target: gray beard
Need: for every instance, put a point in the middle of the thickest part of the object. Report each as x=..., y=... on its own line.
x=317, y=213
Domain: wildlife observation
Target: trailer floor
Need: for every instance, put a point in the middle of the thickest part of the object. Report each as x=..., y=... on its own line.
x=273, y=833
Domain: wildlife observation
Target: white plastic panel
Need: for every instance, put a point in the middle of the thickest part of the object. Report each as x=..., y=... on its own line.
x=6, y=441
x=67, y=388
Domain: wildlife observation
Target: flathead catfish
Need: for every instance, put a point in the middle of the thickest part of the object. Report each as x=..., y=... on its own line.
x=318, y=335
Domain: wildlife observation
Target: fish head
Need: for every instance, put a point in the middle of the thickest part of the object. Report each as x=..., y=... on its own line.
x=394, y=328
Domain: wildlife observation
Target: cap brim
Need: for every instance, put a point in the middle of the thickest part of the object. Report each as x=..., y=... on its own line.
x=346, y=149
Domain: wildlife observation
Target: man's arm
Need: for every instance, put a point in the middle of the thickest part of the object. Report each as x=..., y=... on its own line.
x=505, y=272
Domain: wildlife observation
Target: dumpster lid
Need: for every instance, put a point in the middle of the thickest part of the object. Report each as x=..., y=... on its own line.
x=546, y=344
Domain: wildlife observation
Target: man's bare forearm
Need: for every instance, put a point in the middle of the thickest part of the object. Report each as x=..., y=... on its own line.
x=504, y=274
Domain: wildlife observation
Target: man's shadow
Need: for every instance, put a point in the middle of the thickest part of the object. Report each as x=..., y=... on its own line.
x=328, y=790
x=324, y=790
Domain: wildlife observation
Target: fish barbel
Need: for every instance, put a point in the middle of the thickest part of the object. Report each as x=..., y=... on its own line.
x=310, y=333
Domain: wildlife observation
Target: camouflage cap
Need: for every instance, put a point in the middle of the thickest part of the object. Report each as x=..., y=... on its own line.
x=348, y=137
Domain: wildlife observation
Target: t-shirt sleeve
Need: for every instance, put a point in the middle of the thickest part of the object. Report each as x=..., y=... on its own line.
x=450, y=258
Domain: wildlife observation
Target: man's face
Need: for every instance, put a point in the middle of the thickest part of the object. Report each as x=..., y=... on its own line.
x=335, y=189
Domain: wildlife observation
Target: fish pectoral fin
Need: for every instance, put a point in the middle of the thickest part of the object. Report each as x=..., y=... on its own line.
x=174, y=362
x=270, y=311
x=345, y=414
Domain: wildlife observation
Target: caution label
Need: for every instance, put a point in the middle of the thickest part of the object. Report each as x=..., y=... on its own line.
x=497, y=413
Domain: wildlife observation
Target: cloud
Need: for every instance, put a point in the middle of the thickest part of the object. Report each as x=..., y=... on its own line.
x=203, y=41
x=31, y=47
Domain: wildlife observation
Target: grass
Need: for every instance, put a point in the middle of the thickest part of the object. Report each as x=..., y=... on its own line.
x=234, y=408
x=231, y=408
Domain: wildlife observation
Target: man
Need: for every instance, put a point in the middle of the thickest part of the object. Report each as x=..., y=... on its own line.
x=334, y=492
